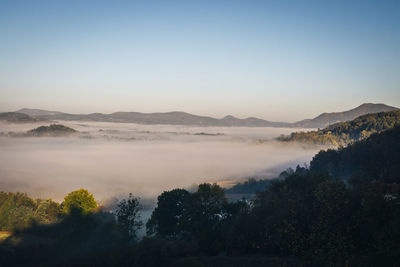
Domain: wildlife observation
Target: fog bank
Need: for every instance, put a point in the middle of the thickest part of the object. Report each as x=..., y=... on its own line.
x=111, y=159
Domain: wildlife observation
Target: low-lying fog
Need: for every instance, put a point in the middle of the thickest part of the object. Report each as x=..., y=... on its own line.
x=113, y=159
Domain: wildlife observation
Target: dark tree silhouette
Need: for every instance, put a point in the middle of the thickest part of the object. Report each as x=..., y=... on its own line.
x=167, y=218
x=128, y=217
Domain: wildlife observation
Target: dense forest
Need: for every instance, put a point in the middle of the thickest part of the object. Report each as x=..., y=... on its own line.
x=373, y=159
x=343, y=133
x=344, y=210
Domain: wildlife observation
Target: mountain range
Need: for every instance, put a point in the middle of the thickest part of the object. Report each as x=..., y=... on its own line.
x=183, y=118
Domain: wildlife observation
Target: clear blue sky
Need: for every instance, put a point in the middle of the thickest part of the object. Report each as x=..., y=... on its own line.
x=278, y=60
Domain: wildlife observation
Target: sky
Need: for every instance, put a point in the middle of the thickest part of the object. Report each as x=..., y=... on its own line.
x=276, y=60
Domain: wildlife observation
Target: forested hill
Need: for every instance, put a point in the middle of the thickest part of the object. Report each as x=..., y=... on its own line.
x=375, y=158
x=343, y=133
x=326, y=119
x=51, y=130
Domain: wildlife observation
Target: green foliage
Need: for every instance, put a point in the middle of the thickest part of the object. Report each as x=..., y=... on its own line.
x=343, y=133
x=78, y=201
x=18, y=211
x=47, y=211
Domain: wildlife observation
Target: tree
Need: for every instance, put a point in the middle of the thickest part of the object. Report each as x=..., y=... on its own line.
x=167, y=218
x=79, y=201
x=16, y=211
x=205, y=215
x=128, y=215
x=206, y=206
x=47, y=211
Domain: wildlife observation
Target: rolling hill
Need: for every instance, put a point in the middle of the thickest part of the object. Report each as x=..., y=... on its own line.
x=37, y=112
x=52, y=130
x=183, y=118
x=174, y=118
x=16, y=117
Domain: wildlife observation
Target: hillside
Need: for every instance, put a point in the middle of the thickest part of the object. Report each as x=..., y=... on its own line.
x=37, y=112
x=346, y=132
x=15, y=117
x=375, y=158
x=325, y=119
x=52, y=130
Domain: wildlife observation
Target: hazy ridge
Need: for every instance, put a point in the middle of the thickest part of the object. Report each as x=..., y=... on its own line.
x=183, y=118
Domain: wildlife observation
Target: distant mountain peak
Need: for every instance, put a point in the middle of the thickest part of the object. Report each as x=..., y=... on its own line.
x=369, y=104
x=374, y=106
x=229, y=117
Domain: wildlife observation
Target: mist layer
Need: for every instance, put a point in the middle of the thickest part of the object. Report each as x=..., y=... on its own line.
x=112, y=159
